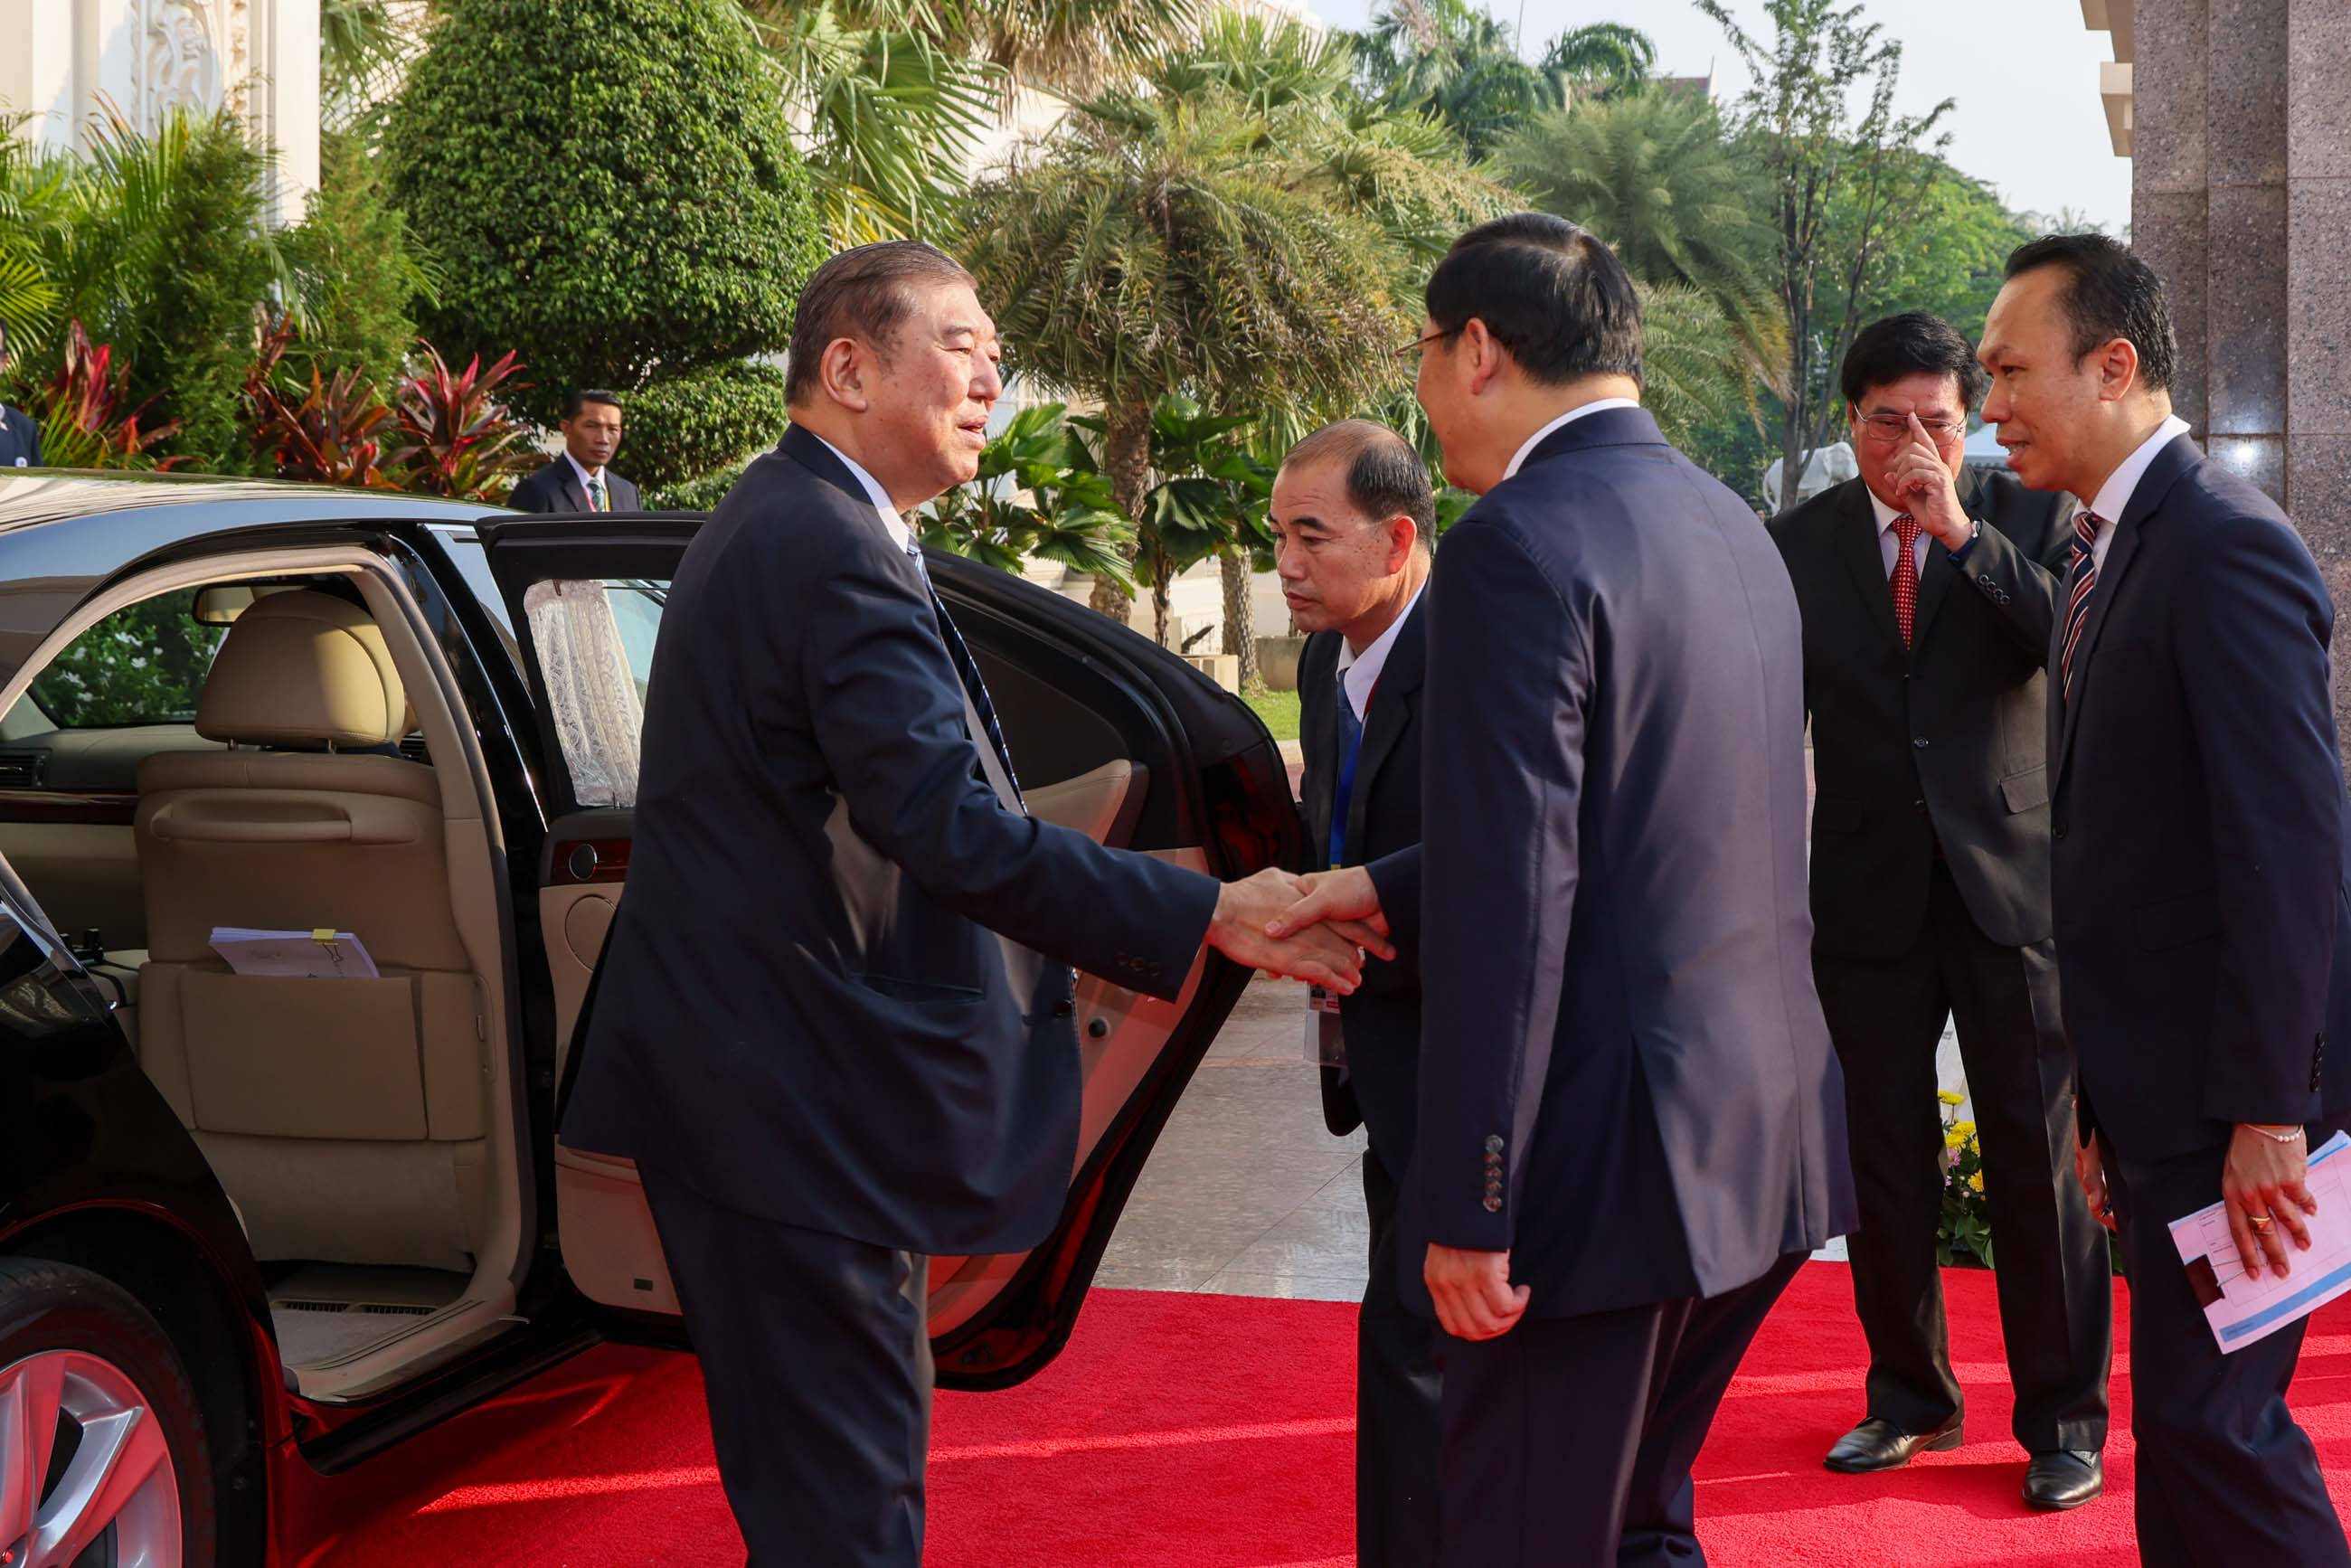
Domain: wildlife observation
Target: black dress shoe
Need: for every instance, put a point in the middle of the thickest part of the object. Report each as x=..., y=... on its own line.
x=1877, y=1445
x=2065, y=1478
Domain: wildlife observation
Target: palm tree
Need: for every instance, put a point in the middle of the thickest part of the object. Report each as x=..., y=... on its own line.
x=1443, y=58
x=1654, y=175
x=1227, y=234
x=1605, y=59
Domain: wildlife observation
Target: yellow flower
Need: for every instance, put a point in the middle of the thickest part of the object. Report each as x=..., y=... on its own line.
x=1948, y=1098
x=1964, y=1129
x=1975, y=1181
x=1955, y=1139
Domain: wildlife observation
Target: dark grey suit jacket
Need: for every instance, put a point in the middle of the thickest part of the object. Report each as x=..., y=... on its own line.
x=1381, y=1020
x=802, y=1013
x=20, y=439
x=1626, y=1078
x=557, y=488
x=1942, y=741
x=2202, y=857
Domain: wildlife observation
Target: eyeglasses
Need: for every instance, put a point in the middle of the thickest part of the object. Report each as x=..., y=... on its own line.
x=1892, y=427
x=1436, y=337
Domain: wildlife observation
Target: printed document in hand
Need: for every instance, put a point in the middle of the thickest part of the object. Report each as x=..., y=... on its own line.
x=2242, y=1308
x=321, y=955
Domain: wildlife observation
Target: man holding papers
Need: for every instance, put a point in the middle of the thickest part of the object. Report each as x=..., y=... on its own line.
x=2197, y=821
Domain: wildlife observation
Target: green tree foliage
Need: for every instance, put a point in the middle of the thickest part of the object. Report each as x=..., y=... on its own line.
x=1456, y=63
x=610, y=186
x=359, y=267
x=1040, y=493
x=142, y=664
x=1202, y=238
x=1798, y=126
x=708, y=419
x=1606, y=60
x=1654, y=175
x=1942, y=250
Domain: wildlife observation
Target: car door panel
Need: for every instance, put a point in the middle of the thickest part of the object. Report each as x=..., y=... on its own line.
x=1105, y=734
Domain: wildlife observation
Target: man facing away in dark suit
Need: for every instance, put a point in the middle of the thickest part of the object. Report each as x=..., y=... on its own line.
x=20, y=433
x=2197, y=876
x=1352, y=516
x=577, y=481
x=808, y=1033
x=1631, y=1127
x=1927, y=595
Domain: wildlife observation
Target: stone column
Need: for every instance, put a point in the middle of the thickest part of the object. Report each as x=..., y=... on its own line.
x=2241, y=200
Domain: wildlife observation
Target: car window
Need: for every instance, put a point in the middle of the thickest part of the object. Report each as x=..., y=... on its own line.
x=594, y=638
x=142, y=664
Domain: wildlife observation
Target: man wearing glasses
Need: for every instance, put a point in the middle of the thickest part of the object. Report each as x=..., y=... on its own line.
x=1927, y=594
x=20, y=433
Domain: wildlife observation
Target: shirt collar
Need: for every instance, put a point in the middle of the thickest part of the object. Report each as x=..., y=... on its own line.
x=586, y=474
x=2114, y=496
x=1359, y=673
x=1886, y=514
x=900, y=535
x=1570, y=417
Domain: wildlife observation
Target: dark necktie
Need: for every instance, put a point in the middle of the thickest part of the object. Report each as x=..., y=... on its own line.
x=2084, y=582
x=596, y=494
x=1905, y=578
x=967, y=669
x=1351, y=747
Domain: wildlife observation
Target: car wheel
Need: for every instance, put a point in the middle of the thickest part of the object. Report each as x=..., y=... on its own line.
x=103, y=1462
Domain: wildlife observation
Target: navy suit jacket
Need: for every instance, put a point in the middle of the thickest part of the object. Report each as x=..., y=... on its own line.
x=1380, y=1021
x=20, y=439
x=2199, y=868
x=557, y=488
x=1625, y=1079
x=802, y=1013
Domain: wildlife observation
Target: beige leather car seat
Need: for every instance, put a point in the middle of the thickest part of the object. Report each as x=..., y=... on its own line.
x=345, y=1117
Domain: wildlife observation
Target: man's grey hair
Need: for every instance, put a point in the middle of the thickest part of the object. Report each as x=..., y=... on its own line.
x=1385, y=476
x=866, y=292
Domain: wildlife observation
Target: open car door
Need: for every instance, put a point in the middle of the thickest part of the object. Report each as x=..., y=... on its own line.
x=1127, y=744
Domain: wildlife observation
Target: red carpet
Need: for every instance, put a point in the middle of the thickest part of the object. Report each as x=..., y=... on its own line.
x=1189, y=1431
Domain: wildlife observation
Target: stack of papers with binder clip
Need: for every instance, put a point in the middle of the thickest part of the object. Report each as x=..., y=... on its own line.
x=2241, y=1308
x=324, y=954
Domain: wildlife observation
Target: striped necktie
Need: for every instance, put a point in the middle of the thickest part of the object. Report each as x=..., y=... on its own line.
x=596, y=501
x=2083, y=583
x=966, y=668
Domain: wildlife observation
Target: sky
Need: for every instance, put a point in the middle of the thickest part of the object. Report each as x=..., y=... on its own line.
x=2028, y=120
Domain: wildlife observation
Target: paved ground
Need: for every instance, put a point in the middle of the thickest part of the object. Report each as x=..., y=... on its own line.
x=1248, y=1194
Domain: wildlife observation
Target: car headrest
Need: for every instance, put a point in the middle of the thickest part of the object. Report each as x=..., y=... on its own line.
x=303, y=669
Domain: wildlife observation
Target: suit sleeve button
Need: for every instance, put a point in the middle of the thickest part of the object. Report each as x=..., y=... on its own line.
x=1493, y=1204
x=1494, y=1142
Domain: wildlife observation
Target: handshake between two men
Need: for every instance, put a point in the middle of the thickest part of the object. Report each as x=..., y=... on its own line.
x=1320, y=928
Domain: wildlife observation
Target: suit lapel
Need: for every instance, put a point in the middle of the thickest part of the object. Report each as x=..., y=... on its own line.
x=1393, y=699
x=811, y=453
x=573, y=490
x=1857, y=541
x=2169, y=463
x=1934, y=582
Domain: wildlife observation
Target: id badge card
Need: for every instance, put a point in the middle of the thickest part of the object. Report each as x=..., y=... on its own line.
x=1324, y=1045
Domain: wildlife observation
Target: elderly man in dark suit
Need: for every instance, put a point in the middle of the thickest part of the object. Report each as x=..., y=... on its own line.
x=579, y=480
x=1631, y=1121
x=20, y=433
x=1352, y=517
x=1928, y=595
x=807, y=1032
x=2199, y=876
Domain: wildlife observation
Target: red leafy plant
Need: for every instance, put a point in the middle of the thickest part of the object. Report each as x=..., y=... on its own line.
x=82, y=411
x=462, y=440
x=325, y=433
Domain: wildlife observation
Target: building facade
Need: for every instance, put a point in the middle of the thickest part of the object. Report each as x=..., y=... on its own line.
x=65, y=64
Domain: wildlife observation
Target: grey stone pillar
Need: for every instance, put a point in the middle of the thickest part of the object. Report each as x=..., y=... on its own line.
x=2241, y=200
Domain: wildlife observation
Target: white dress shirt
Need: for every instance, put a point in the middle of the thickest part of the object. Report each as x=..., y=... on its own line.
x=1886, y=537
x=2114, y=498
x=1359, y=673
x=588, y=478
x=900, y=535
x=1570, y=417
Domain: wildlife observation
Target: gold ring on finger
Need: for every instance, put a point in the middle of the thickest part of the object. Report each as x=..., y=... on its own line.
x=2257, y=1221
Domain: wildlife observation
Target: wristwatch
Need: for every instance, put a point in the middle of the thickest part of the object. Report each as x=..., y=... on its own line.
x=1975, y=531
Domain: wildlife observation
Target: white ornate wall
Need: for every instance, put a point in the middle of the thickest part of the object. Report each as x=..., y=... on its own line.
x=62, y=60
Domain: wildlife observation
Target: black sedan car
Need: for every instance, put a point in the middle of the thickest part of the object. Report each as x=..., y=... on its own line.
x=278, y=1252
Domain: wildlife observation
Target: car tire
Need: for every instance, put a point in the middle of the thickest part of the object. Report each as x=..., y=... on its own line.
x=79, y=1354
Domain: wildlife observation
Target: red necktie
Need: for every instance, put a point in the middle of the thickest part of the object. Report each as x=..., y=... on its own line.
x=1904, y=581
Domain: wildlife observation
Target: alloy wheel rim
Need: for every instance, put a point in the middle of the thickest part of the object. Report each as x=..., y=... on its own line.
x=116, y=1476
